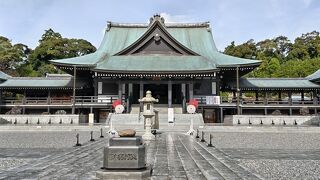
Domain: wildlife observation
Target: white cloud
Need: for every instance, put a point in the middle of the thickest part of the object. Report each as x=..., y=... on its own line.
x=307, y=2
x=176, y=18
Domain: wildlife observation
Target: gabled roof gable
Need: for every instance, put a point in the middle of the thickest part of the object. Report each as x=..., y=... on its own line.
x=156, y=40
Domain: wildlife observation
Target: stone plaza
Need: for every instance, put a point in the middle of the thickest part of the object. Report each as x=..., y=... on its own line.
x=245, y=152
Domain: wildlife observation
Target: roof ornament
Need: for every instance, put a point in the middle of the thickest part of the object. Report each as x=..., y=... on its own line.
x=156, y=17
x=108, y=26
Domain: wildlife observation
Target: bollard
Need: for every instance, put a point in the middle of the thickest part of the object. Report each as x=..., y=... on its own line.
x=38, y=121
x=197, y=136
x=210, y=139
x=261, y=123
x=27, y=121
x=15, y=121
x=284, y=122
x=49, y=121
x=295, y=122
x=101, y=133
x=77, y=136
x=60, y=121
x=239, y=121
x=91, y=136
x=71, y=122
x=272, y=123
x=202, y=136
x=250, y=122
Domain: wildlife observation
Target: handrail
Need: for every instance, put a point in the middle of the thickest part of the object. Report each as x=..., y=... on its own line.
x=108, y=100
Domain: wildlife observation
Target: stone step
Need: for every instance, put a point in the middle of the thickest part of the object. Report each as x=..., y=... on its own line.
x=162, y=108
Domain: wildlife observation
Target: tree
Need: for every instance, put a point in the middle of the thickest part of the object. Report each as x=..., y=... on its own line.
x=246, y=50
x=273, y=67
x=305, y=47
x=12, y=56
x=53, y=46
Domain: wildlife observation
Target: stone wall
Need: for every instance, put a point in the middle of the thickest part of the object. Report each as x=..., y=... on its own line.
x=277, y=120
x=43, y=119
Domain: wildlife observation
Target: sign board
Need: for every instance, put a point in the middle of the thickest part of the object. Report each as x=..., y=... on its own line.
x=212, y=100
x=170, y=115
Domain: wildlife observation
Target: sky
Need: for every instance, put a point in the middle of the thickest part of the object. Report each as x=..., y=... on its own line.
x=24, y=21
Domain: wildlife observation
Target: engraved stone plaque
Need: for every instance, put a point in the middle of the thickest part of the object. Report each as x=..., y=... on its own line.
x=124, y=153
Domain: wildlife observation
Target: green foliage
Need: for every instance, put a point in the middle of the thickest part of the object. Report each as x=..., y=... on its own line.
x=11, y=56
x=280, y=57
x=53, y=46
x=246, y=50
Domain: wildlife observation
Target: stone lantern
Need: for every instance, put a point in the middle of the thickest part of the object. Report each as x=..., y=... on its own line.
x=148, y=113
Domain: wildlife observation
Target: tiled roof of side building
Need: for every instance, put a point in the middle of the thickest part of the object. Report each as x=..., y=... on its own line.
x=40, y=82
x=274, y=84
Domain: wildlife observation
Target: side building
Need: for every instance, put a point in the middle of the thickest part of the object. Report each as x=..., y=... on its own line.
x=177, y=62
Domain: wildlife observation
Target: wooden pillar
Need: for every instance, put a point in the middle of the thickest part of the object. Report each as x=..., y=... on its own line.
x=169, y=94
x=120, y=91
x=314, y=95
x=290, y=111
x=24, y=102
x=0, y=99
x=265, y=98
x=257, y=96
x=73, y=110
x=95, y=86
x=221, y=115
x=141, y=94
x=265, y=111
x=49, y=101
x=234, y=97
x=279, y=96
x=190, y=90
x=183, y=91
x=302, y=95
x=130, y=89
x=290, y=97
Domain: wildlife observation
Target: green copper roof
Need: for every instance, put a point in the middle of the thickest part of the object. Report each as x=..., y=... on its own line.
x=274, y=83
x=38, y=83
x=315, y=77
x=4, y=76
x=162, y=63
x=196, y=37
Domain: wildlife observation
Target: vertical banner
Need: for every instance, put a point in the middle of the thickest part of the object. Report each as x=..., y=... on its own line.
x=214, y=88
x=99, y=87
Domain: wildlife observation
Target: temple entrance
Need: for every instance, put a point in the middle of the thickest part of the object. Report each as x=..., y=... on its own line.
x=159, y=91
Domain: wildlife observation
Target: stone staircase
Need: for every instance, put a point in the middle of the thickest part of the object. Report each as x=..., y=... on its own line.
x=162, y=108
x=136, y=121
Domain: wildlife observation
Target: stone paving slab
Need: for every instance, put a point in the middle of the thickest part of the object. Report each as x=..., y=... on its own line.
x=173, y=155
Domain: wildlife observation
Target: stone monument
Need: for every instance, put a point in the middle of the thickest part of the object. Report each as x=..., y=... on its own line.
x=148, y=113
x=124, y=158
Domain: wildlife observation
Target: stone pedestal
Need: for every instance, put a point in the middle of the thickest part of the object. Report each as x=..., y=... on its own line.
x=124, y=174
x=124, y=153
x=124, y=158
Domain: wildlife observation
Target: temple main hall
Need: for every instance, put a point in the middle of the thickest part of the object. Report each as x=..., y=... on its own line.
x=177, y=62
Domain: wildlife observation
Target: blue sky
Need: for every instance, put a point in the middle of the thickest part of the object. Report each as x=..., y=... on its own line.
x=231, y=20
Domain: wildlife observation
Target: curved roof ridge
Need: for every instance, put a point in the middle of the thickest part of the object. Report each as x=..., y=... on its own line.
x=42, y=78
x=280, y=78
x=168, y=25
